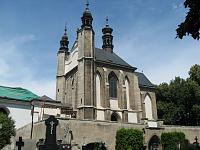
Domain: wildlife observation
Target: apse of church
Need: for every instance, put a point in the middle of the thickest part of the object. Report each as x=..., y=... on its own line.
x=97, y=83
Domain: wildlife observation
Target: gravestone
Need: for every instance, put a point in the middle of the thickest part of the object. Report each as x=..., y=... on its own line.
x=50, y=141
x=19, y=143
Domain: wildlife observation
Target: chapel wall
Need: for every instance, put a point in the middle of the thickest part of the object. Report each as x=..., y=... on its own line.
x=134, y=112
x=102, y=131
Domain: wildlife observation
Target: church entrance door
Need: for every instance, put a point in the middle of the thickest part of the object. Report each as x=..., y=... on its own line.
x=94, y=146
x=154, y=143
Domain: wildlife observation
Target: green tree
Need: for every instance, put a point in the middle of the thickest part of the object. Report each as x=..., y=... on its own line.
x=100, y=146
x=167, y=112
x=175, y=101
x=196, y=113
x=7, y=129
x=191, y=25
x=129, y=139
x=195, y=73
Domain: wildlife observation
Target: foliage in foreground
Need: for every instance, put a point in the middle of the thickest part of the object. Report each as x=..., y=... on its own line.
x=172, y=140
x=99, y=146
x=129, y=139
x=191, y=25
x=7, y=130
x=178, y=102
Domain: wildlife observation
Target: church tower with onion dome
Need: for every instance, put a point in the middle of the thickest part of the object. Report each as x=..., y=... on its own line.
x=99, y=85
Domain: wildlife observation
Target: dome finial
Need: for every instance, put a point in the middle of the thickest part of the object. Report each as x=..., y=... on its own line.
x=106, y=20
x=107, y=37
x=87, y=17
x=65, y=28
x=87, y=4
x=64, y=40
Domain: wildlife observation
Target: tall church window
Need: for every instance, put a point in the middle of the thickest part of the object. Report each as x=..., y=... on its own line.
x=98, y=90
x=127, y=93
x=107, y=41
x=112, y=85
x=148, y=107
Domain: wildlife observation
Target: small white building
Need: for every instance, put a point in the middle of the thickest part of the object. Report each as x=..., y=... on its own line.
x=24, y=106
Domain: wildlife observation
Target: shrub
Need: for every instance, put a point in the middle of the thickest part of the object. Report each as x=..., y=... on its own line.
x=171, y=140
x=129, y=139
x=7, y=130
x=99, y=146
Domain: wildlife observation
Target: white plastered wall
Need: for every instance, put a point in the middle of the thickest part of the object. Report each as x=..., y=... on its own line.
x=132, y=117
x=114, y=104
x=72, y=61
x=20, y=114
x=100, y=115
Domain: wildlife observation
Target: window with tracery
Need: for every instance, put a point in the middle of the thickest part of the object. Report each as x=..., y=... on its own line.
x=112, y=85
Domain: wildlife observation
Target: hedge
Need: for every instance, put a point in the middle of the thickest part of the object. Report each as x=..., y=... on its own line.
x=171, y=140
x=129, y=139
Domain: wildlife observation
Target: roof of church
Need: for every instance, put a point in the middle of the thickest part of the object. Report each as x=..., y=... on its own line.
x=46, y=98
x=17, y=93
x=111, y=58
x=144, y=81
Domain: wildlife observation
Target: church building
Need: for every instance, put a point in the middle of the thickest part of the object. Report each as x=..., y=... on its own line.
x=97, y=93
x=97, y=83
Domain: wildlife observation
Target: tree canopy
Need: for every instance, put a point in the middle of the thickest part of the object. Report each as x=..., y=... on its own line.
x=191, y=25
x=7, y=129
x=178, y=102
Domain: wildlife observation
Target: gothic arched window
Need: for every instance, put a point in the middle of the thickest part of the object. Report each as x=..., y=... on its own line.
x=107, y=41
x=127, y=92
x=112, y=85
x=98, y=90
x=148, y=107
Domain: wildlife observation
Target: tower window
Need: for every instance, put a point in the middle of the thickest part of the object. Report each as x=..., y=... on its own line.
x=112, y=85
x=107, y=41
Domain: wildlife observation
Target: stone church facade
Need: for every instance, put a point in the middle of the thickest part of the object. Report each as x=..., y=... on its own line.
x=97, y=83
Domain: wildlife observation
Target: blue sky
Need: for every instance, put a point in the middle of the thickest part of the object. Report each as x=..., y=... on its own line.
x=144, y=36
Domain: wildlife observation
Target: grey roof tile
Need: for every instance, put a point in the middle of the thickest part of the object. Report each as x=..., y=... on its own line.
x=144, y=81
x=111, y=58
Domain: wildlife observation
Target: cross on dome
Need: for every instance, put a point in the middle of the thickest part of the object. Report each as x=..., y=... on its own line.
x=87, y=4
x=106, y=20
x=65, y=29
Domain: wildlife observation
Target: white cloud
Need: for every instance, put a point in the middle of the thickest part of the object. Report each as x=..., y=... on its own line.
x=4, y=68
x=15, y=71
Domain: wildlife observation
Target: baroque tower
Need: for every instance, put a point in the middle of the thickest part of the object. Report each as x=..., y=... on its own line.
x=86, y=67
x=107, y=38
x=61, y=57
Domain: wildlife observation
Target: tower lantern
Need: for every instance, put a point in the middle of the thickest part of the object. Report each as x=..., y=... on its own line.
x=64, y=42
x=87, y=18
x=107, y=38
